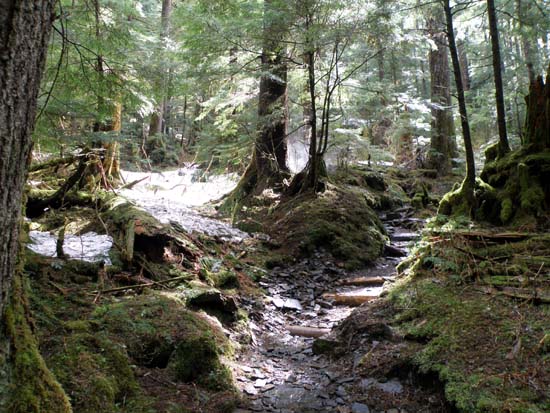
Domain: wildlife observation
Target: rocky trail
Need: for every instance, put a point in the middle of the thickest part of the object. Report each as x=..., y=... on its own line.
x=282, y=370
x=288, y=365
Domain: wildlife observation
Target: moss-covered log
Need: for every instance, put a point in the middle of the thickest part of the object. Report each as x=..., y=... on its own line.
x=144, y=242
x=52, y=163
x=37, y=206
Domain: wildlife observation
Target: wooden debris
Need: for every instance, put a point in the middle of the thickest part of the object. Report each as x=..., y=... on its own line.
x=493, y=236
x=36, y=206
x=363, y=281
x=149, y=284
x=533, y=295
x=52, y=163
x=350, y=300
x=307, y=331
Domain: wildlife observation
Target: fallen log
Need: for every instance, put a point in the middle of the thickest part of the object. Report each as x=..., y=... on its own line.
x=498, y=237
x=148, y=284
x=130, y=185
x=313, y=332
x=533, y=295
x=52, y=163
x=363, y=281
x=349, y=300
x=36, y=206
x=144, y=242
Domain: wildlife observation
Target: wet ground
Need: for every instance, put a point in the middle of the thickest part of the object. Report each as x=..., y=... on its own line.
x=280, y=371
x=175, y=197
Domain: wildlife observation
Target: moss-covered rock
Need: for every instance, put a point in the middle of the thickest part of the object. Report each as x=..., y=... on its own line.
x=95, y=372
x=151, y=327
x=338, y=219
x=197, y=360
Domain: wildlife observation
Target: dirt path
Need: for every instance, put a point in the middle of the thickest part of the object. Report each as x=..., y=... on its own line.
x=280, y=372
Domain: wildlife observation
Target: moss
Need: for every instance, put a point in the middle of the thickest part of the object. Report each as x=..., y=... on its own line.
x=506, y=210
x=216, y=274
x=197, y=360
x=95, y=372
x=488, y=205
x=339, y=220
x=522, y=183
x=468, y=337
x=453, y=203
x=491, y=153
x=151, y=327
x=32, y=387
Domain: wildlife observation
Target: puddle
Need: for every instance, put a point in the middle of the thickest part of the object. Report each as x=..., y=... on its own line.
x=90, y=247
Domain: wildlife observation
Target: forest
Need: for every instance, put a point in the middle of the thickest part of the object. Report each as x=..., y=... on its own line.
x=274, y=206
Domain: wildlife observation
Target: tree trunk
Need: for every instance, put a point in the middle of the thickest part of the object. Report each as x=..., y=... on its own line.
x=525, y=44
x=380, y=62
x=464, y=66
x=443, y=129
x=270, y=148
x=111, y=161
x=504, y=146
x=268, y=166
x=24, y=31
x=109, y=164
x=158, y=117
x=470, y=180
x=26, y=385
x=537, y=124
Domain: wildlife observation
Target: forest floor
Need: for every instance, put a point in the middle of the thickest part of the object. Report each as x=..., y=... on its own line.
x=241, y=307
x=283, y=371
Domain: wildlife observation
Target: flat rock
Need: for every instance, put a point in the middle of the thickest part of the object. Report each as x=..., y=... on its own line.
x=250, y=389
x=292, y=304
x=260, y=383
x=278, y=302
x=404, y=236
x=359, y=408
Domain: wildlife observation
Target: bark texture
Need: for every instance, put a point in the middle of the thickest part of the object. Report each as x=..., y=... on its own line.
x=24, y=32
x=504, y=146
x=469, y=183
x=270, y=149
x=443, y=128
x=268, y=166
x=26, y=384
x=537, y=124
x=159, y=116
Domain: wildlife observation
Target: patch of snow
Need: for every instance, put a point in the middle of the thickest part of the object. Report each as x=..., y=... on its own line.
x=171, y=197
x=90, y=247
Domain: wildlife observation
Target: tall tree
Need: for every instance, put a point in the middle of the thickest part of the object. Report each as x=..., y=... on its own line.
x=521, y=9
x=109, y=169
x=443, y=129
x=504, y=146
x=470, y=180
x=158, y=117
x=270, y=149
x=268, y=166
x=24, y=32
